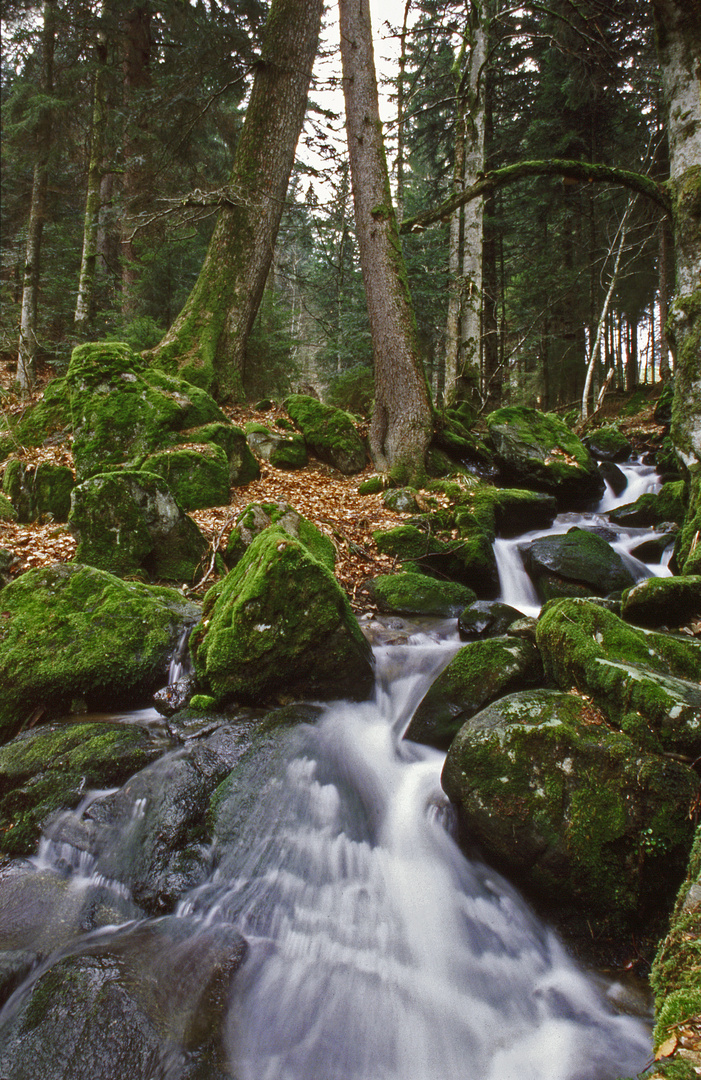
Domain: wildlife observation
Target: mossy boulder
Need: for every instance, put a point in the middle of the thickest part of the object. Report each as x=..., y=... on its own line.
x=72, y=636
x=538, y=451
x=647, y=683
x=653, y=509
x=455, y=438
x=38, y=491
x=609, y=444
x=128, y=522
x=469, y=560
x=570, y=808
x=329, y=433
x=50, y=768
x=479, y=673
x=280, y=624
x=417, y=594
x=243, y=467
x=282, y=451
x=517, y=511
x=670, y=602
x=198, y=476
x=487, y=618
x=687, y=550
x=260, y=516
x=401, y=500
x=576, y=563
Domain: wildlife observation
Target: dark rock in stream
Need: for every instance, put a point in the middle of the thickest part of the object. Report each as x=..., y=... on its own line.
x=573, y=810
x=143, y=1002
x=578, y=563
x=487, y=618
x=669, y=602
x=175, y=696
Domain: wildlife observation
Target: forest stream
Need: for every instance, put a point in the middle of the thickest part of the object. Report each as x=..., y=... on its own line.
x=376, y=949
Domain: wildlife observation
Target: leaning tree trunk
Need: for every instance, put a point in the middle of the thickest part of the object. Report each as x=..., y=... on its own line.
x=207, y=341
x=27, y=349
x=402, y=419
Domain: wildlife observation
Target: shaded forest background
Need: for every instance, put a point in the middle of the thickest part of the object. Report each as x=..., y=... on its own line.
x=136, y=120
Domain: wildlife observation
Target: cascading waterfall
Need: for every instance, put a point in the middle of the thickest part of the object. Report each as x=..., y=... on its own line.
x=516, y=587
x=377, y=950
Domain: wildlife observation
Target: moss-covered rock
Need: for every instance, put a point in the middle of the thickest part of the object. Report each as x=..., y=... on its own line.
x=198, y=476
x=282, y=451
x=38, y=491
x=609, y=444
x=469, y=560
x=675, y=976
x=538, y=451
x=401, y=500
x=479, y=673
x=260, y=516
x=687, y=550
x=669, y=602
x=329, y=433
x=280, y=624
x=571, y=808
x=49, y=769
x=653, y=509
x=72, y=636
x=487, y=618
x=417, y=594
x=243, y=467
x=579, y=557
x=647, y=683
x=128, y=521
x=517, y=512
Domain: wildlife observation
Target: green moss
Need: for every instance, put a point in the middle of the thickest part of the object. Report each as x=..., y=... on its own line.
x=7, y=510
x=202, y=703
x=72, y=631
x=198, y=476
x=329, y=433
x=416, y=594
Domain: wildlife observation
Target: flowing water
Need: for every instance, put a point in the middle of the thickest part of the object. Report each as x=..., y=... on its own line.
x=378, y=951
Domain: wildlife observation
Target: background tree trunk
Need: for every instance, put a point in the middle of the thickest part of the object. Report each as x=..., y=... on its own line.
x=401, y=425
x=28, y=347
x=207, y=341
x=86, y=283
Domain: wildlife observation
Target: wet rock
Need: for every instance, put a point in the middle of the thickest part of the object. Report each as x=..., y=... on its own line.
x=538, y=451
x=609, y=444
x=468, y=560
x=477, y=674
x=613, y=476
x=49, y=769
x=280, y=623
x=653, y=509
x=129, y=521
x=646, y=683
x=487, y=618
x=653, y=549
x=175, y=696
x=417, y=594
x=72, y=633
x=571, y=808
x=329, y=433
x=518, y=511
x=579, y=558
x=669, y=602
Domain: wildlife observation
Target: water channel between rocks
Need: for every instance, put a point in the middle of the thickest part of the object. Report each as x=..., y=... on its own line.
x=376, y=949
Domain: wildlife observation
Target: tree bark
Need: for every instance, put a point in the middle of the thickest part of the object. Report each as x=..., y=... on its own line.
x=28, y=345
x=464, y=321
x=679, y=43
x=402, y=419
x=86, y=282
x=207, y=341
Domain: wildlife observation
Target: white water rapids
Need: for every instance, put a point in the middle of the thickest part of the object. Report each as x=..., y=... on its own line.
x=378, y=951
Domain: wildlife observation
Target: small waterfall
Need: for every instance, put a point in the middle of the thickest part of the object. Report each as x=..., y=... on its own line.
x=516, y=587
x=180, y=663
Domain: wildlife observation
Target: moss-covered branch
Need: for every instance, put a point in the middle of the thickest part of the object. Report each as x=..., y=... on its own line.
x=573, y=170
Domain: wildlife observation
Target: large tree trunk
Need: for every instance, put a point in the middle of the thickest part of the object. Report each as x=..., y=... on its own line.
x=464, y=323
x=136, y=186
x=679, y=40
x=86, y=283
x=28, y=345
x=207, y=341
x=402, y=419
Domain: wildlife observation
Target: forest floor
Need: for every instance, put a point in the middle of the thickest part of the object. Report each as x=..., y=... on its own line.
x=323, y=495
